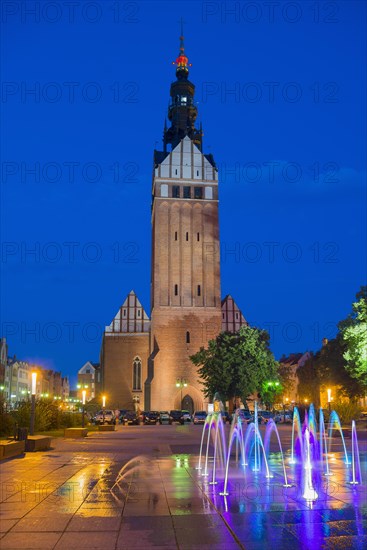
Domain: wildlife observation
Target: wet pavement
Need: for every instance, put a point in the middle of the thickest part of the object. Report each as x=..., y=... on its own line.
x=68, y=498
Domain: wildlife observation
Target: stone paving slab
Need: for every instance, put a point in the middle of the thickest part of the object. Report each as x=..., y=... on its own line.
x=63, y=500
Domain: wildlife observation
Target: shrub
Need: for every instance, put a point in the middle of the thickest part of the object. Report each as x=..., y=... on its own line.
x=347, y=411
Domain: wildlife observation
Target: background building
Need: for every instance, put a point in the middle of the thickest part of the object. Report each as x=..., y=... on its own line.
x=90, y=380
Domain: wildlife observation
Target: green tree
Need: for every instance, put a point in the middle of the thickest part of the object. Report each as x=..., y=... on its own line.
x=331, y=369
x=236, y=364
x=354, y=333
x=309, y=382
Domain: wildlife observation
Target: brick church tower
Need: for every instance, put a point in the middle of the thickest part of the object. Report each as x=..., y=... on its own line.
x=185, y=279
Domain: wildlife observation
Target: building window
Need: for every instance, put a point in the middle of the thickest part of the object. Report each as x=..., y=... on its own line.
x=223, y=316
x=199, y=290
x=176, y=171
x=208, y=193
x=176, y=191
x=137, y=374
x=187, y=192
x=124, y=312
x=176, y=290
x=138, y=312
x=187, y=236
x=198, y=192
x=197, y=172
x=164, y=190
x=187, y=337
x=87, y=371
x=175, y=235
x=198, y=236
x=236, y=315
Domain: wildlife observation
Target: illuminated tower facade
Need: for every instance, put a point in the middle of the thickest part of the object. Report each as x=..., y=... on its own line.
x=185, y=278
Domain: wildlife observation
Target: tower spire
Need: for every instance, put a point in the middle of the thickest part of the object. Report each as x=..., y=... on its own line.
x=182, y=110
x=182, y=62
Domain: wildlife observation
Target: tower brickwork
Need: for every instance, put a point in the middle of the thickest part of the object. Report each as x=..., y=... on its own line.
x=185, y=281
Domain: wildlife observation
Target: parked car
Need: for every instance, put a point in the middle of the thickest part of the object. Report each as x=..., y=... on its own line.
x=185, y=417
x=175, y=416
x=151, y=417
x=278, y=417
x=226, y=417
x=131, y=418
x=199, y=417
x=164, y=417
x=121, y=415
x=245, y=416
x=266, y=416
x=107, y=416
x=142, y=415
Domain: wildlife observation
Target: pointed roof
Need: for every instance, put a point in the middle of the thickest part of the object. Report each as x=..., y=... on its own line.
x=188, y=155
x=232, y=317
x=130, y=318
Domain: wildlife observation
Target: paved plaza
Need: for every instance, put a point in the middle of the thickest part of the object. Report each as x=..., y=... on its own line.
x=67, y=498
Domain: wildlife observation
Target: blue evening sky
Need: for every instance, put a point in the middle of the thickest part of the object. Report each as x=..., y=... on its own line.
x=280, y=92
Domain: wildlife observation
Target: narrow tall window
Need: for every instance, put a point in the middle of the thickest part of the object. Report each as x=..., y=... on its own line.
x=187, y=337
x=176, y=191
x=137, y=374
x=175, y=235
x=199, y=290
x=198, y=236
x=176, y=290
x=187, y=236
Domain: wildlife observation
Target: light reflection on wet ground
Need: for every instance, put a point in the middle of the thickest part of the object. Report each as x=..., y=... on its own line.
x=63, y=499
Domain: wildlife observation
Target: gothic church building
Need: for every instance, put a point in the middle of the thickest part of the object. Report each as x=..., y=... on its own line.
x=146, y=361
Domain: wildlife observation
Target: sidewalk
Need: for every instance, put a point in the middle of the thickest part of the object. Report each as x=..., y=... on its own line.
x=62, y=499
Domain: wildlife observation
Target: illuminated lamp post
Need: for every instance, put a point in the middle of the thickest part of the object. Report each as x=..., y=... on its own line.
x=329, y=398
x=284, y=404
x=33, y=402
x=84, y=393
x=181, y=383
x=83, y=404
x=103, y=406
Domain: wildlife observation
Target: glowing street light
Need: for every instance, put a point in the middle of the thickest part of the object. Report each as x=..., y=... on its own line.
x=33, y=402
x=181, y=383
x=103, y=406
x=329, y=398
x=83, y=403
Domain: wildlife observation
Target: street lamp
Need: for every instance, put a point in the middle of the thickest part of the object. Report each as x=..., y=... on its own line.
x=84, y=393
x=103, y=406
x=284, y=404
x=33, y=402
x=329, y=399
x=181, y=383
x=83, y=403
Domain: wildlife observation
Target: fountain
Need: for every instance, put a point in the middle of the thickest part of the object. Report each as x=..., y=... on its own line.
x=309, y=460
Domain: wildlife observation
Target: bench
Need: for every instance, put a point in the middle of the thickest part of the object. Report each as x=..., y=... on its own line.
x=106, y=428
x=75, y=432
x=38, y=443
x=11, y=448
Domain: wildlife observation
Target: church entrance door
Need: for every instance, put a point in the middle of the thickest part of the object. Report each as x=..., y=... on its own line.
x=188, y=404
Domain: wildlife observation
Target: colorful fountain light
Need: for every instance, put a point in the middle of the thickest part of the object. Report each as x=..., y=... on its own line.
x=310, y=451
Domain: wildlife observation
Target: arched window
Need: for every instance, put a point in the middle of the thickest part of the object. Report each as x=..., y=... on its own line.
x=137, y=374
